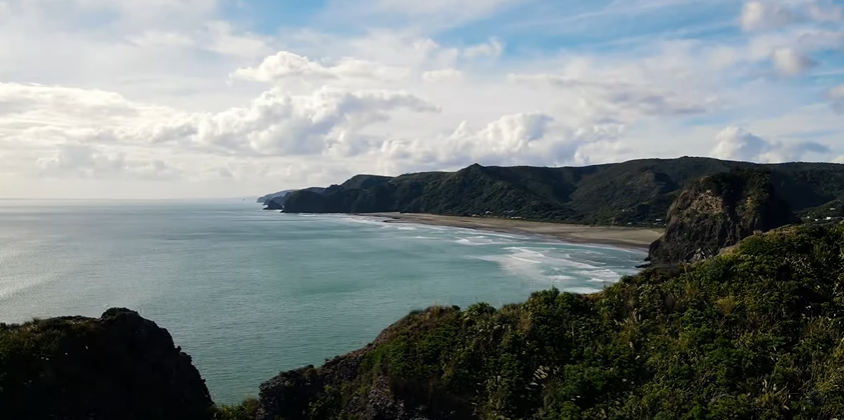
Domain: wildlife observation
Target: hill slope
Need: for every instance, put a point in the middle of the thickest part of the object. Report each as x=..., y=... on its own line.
x=635, y=192
x=754, y=333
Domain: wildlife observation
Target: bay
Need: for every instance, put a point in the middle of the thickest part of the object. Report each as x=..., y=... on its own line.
x=249, y=293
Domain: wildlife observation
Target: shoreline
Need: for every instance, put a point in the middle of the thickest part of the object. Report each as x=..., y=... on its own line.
x=621, y=237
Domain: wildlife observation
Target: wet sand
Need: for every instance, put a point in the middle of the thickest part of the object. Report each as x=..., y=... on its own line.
x=639, y=238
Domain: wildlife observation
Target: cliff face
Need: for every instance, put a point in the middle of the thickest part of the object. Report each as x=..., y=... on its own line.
x=119, y=366
x=719, y=211
x=264, y=199
x=278, y=200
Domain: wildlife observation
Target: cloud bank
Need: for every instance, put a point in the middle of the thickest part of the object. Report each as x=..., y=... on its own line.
x=176, y=98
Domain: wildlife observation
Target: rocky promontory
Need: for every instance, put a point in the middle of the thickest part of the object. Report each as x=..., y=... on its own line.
x=718, y=211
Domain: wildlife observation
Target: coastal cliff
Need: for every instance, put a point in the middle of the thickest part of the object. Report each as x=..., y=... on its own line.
x=718, y=211
x=638, y=192
x=276, y=201
x=119, y=366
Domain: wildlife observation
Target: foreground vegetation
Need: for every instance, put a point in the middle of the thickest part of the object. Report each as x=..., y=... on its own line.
x=755, y=333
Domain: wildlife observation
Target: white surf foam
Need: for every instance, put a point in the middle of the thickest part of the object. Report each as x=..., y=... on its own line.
x=481, y=240
x=364, y=220
x=550, y=266
x=581, y=290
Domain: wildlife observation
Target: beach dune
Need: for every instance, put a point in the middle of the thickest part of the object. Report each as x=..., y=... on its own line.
x=629, y=237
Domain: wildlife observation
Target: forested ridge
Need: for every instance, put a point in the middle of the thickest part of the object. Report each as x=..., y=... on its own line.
x=637, y=192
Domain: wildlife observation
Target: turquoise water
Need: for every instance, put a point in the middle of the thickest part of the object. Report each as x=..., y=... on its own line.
x=248, y=293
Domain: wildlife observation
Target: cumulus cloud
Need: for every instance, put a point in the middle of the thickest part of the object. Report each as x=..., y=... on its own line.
x=515, y=139
x=156, y=90
x=793, y=30
x=37, y=102
x=789, y=62
x=284, y=66
x=739, y=144
x=277, y=123
x=510, y=135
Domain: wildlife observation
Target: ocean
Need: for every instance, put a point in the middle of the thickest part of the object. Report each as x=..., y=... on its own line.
x=249, y=293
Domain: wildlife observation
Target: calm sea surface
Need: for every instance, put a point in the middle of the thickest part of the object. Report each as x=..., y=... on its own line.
x=248, y=293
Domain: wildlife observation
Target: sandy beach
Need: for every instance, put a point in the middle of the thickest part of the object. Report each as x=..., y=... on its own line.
x=639, y=238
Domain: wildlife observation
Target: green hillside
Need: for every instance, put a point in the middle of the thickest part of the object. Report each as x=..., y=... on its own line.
x=637, y=192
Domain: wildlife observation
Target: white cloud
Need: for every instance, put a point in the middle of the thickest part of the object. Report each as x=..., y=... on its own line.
x=223, y=39
x=276, y=123
x=285, y=66
x=434, y=76
x=516, y=139
x=493, y=48
x=134, y=91
x=774, y=14
x=89, y=162
x=760, y=15
x=789, y=62
x=606, y=100
x=739, y=144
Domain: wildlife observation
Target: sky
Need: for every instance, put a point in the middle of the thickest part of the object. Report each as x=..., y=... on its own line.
x=220, y=98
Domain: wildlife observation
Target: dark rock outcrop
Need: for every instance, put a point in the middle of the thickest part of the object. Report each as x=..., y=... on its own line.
x=276, y=201
x=120, y=366
x=719, y=211
x=264, y=199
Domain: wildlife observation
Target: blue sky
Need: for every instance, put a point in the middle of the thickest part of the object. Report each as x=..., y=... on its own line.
x=180, y=98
